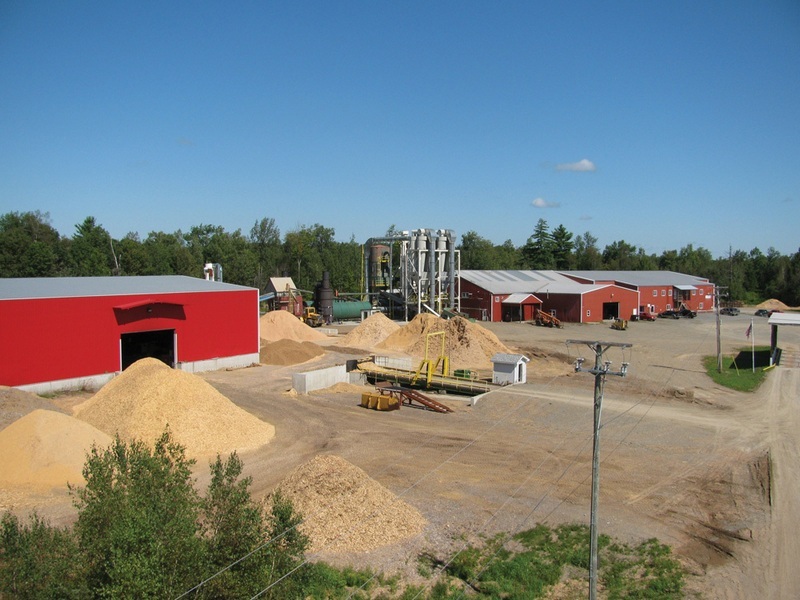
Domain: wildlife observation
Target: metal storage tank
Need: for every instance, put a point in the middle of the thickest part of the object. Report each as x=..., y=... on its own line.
x=349, y=309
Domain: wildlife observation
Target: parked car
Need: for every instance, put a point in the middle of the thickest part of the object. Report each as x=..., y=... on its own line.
x=762, y=312
x=685, y=312
x=646, y=316
x=669, y=314
x=729, y=310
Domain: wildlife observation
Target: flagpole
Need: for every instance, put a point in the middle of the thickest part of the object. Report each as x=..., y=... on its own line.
x=752, y=345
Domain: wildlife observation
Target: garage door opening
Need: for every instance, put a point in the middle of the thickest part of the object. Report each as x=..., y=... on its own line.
x=610, y=310
x=148, y=344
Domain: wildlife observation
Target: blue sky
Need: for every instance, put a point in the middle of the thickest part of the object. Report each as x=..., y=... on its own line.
x=659, y=123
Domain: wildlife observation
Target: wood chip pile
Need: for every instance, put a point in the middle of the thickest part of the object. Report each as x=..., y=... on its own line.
x=345, y=510
x=773, y=304
x=467, y=344
x=149, y=395
x=288, y=352
x=15, y=403
x=370, y=332
x=282, y=325
x=46, y=449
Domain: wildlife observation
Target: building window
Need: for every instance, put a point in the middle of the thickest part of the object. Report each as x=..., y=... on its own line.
x=700, y=306
x=655, y=293
x=663, y=293
x=588, y=312
x=669, y=292
x=669, y=306
x=700, y=291
x=694, y=292
x=497, y=298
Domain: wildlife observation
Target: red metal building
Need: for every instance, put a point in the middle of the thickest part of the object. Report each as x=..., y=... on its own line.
x=70, y=332
x=657, y=290
x=517, y=295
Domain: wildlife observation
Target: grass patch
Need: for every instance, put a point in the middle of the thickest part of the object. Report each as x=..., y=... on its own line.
x=737, y=372
x=542, y=555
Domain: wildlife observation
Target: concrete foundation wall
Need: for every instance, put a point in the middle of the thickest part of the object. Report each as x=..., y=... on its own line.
x=319, y=379
x=395, y=363
x=215, y=364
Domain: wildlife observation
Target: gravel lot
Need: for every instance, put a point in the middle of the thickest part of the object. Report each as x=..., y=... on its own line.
x=712, y=472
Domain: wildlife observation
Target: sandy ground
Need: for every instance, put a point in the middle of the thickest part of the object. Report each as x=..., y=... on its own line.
x=713, y=473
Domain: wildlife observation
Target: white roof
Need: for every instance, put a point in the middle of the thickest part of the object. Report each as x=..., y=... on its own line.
x=504, y=358
x=279, y=284
x=526, y=282
x=640, y=278
x=519, y=298
x=784, y=319
x=19, y=288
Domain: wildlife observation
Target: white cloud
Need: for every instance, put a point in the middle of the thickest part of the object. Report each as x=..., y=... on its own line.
x=585, y=218
x=583, y=166
x=542, y=203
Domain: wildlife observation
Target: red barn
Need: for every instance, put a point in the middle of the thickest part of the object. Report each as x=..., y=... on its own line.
x=657, y=290
x=516, y=295
x=71, y=332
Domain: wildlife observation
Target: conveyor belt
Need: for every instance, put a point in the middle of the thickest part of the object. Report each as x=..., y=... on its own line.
x=467, y=387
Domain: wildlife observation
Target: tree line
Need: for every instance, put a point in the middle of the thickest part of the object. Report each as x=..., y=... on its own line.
x=31, y=247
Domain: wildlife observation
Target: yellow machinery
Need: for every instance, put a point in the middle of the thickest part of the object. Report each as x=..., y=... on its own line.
x=312, y=318
x=428, y=366
x=620, y=324
x=547, y=319
x=379, y=401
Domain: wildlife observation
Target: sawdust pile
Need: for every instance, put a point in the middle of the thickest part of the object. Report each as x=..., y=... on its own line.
x=344, y=388
x=466, y=343
x=288, y=352
x=46, y=449
x=15, y=403
x=282, y=325
x=370, y=332
x=149, y=395
x=345, y=510
x=773, y=304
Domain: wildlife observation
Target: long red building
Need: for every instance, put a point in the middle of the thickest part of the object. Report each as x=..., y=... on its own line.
x=579, y=296
x=71, y=332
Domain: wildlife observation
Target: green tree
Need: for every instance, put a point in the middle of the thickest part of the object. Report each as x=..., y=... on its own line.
x=620, y=256
x=39, y=561
x=132, y=255
x=29, y=246
x=168, y=254
x=346, y=266
x=507, y=255
x=308, y=252
x=563, y=245
x=234, y=528
x=266, y=239
x=138, y=520
x=587, y=254
x=538, y=250
x=477, y=252
x=90, y=250
x=694, y=261
x=288, y=549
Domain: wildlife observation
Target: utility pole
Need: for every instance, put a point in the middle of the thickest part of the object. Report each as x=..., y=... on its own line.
x=600, y=370
x=717, y=296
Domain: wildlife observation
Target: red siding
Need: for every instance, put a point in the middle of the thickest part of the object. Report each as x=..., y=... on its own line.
x=65, y=338
x=475, y=301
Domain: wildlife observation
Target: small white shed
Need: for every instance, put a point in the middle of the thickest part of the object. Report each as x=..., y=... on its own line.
x=509, y=368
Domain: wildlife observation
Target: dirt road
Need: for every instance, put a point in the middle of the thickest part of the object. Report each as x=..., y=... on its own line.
x=713, y=473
